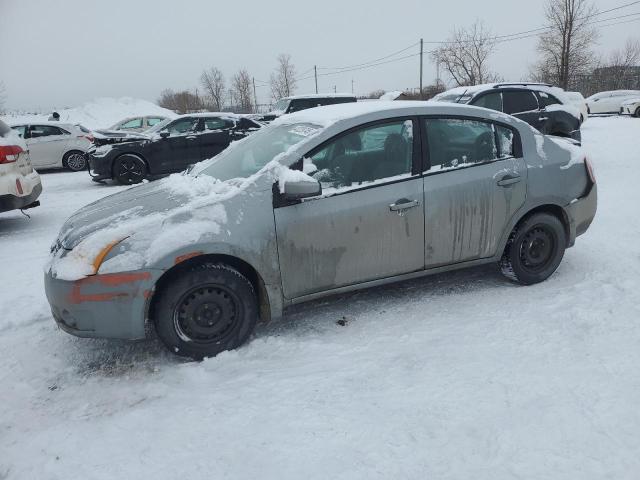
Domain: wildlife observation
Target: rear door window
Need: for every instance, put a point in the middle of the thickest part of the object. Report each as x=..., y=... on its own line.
x=546, y=100
x=151, y=121
x=519, y=101
x=456, y=143
x=490, y=100
x=215, y=123
x=182, y=126
x=134, y=123
x=37, y=131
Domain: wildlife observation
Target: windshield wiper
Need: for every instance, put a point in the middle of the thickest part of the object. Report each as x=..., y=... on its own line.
x=461, y=96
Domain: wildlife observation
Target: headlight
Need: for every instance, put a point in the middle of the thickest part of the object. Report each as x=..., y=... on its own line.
x=101, y=151
x=97, y=262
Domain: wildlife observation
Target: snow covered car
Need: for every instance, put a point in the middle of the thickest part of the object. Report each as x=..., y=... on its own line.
x=296, y=103
x=56, y=145
x=169, y=146
x=610, y=102
x=20, y=184
x=137, y=124
x=631, y=107
x=540, y=105
x=323, y=201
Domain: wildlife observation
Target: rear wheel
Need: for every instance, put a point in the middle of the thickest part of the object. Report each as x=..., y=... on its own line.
x=637, y=114
x=534, y=250
x=206, y=310
x=74, y=161
x=129, y=169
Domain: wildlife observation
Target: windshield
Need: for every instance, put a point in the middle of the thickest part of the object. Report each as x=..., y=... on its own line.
x=248, y=156
x=281, y=105
x=158, y=126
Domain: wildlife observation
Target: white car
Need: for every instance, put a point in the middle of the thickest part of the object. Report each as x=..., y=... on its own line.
x=631, y=107
x=20, y=184
x=137, y=124
x=610, y=102
x=580, y=103
x=56, y=145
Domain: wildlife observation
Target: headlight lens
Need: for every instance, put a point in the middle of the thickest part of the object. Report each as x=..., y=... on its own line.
x=97, y=262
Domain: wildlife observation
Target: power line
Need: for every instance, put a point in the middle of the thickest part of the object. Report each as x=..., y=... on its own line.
x=371, y=61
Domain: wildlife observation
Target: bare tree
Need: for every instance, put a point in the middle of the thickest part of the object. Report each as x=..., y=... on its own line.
x=242, y=91
x=180, y=102
x=619, y=64
x=212, y=81
x=565, y=47
x=466, y=53
x=283, y=82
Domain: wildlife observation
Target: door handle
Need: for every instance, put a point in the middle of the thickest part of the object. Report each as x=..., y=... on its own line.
x=543, y=119
x=509, y=180
x=191, y=137
x=402, y=205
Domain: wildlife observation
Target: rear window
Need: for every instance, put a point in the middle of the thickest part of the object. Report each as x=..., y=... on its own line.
x=4, y=129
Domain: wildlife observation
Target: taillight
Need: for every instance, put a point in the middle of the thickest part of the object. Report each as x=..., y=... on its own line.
x=9, y=153
x=589, y=168
x=88, y=137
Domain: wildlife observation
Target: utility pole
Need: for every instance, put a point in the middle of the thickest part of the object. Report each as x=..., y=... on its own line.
x=315, y=72
x=352, y=85
x=335, y=90
x=255, y=95
x=421, y=53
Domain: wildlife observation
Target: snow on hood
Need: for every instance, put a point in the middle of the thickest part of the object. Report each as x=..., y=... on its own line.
x=153, y=220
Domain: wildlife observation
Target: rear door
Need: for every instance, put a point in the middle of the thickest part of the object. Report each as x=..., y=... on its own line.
x=46, y=145
x=368, y=223
x=215, y=136
x=524, y=105
x=475, y=181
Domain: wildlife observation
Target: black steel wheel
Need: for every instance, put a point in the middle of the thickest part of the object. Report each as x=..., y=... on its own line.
x=129, y=169
x=74, y=161
x=535, y=249
x=205, y=310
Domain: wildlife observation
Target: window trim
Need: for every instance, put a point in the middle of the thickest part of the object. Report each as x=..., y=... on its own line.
x=416, y=158
x=517, y=142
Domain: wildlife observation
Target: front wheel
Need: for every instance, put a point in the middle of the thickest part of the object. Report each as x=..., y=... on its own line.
x=637, y=112
x=206, y=310
x=129, y=169
x=534, y=250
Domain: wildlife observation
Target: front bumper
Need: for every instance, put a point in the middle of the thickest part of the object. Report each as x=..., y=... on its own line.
x=99, y=167
x=627, y=110
x=581, y=213
x=12, y=202
x=102, y=306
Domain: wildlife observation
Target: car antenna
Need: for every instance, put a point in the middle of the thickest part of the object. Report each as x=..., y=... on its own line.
x=462, y=95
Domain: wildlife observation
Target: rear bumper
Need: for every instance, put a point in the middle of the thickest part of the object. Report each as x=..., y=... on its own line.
x=101, y=306
x=13, y=202
x=581, y=213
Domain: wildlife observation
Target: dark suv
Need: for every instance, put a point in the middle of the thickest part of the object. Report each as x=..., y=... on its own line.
x=540, y=105
x=170, y=146
x=304, y=102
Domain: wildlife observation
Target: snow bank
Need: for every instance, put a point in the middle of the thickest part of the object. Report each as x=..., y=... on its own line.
x=391, y=95
x=99, y=113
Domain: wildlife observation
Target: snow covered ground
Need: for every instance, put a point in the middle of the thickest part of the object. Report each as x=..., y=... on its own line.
x=98, y=113
x=456, y=376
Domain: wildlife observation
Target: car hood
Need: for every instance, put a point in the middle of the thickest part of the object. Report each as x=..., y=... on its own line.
x=138, y=201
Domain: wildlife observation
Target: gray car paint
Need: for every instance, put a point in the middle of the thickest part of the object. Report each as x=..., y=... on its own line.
x=328, y=245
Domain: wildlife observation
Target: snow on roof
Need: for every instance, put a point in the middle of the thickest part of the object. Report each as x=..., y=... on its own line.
x=476, y=89
x=321, y=95
x=325, y=116
x=391, y=95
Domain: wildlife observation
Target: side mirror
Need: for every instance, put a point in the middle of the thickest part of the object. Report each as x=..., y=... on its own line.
x=164, y=134
x=297, y=190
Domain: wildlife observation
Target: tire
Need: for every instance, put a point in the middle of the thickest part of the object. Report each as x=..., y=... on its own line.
x=637, y=114
x=74, y=161
x=205, y=310
x=129, y=169
x=534, y=250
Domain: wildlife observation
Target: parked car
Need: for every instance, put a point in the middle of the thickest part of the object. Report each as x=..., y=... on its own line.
x=631, y=106
x=169, y=146
x=578, y=101
x=56, y=145
x=303, y=102
x=20, y=184
x=540, y=105
x=320, y=202
x=610, y=102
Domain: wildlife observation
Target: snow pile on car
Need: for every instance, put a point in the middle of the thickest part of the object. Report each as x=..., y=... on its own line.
x=99, y=113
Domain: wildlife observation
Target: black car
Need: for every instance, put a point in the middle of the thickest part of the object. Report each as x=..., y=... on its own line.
x=540, y=105
x=303, y=102
x=170, y=146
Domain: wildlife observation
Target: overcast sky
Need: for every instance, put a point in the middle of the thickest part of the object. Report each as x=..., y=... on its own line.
x=57, y=53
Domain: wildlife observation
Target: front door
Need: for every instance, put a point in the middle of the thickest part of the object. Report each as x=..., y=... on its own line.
x=474, y=183
x=180, y=149
x=368, y=223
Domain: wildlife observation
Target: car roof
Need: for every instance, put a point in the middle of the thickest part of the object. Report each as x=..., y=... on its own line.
x=474, y=90
x=374, y=110
x=320, y=95
x=53, y=123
